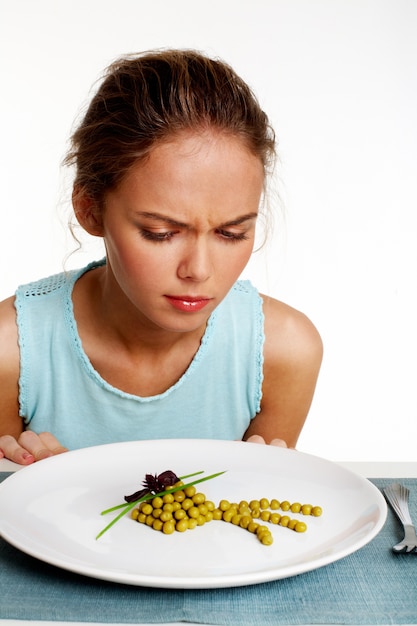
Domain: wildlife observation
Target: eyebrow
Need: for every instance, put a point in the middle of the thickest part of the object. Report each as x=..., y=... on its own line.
x=172, y=222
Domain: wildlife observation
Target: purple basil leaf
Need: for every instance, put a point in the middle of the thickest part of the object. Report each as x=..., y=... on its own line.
x=137, y=495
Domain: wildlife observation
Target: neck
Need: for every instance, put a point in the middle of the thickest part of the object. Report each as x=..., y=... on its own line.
x=113, y=317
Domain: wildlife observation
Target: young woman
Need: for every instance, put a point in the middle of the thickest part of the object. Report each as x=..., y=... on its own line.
x=160, y=339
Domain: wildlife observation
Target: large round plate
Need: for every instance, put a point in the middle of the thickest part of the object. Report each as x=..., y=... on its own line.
x=51, y=510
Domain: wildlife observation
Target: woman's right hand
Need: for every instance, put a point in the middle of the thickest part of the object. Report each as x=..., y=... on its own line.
x=21, y=446
x=29, y=447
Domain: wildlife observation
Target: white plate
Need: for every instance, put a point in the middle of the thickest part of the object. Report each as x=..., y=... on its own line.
x=51, y=510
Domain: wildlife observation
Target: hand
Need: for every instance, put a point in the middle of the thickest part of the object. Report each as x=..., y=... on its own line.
x=274, y=442
x=29, y=447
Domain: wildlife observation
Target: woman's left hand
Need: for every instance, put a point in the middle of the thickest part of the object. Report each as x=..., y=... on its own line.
x=274, y=442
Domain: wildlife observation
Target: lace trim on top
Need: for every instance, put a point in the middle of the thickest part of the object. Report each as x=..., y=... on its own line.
x=34, y=289
x=242, y=285
x=260, y=342
x=45, y=286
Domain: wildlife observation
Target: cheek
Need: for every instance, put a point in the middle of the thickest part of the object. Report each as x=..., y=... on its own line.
x=236, y=260
x=147, y=267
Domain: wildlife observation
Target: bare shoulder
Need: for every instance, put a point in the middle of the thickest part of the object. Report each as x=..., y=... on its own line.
x=292, y=358
x=8, y=327
x=290, y=335
x=10, y=422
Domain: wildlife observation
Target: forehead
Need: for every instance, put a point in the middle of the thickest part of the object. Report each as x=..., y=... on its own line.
x=211, y=157
x=201, y=179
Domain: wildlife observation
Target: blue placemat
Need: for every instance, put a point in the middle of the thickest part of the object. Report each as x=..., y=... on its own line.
x=371, y=586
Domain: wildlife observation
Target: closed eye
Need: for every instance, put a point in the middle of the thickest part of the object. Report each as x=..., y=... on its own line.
x=231, y=236
x=157, y=236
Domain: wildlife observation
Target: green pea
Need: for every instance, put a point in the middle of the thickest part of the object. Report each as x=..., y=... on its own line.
x=157, y=524
x=168, y=528
x=266, y=539
x=157, y=503
x=199, y=498
x=203, y=509
x=245, y=520
x=190, y=491
x=182, y=525
x=227, y=515
x=253, y=526
x=180, y=514
x=193, y=512
x=217, y=514
x=179, y=496
x=146, y=508
x=275, y=518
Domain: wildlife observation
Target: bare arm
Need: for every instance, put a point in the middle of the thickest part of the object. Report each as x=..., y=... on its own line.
x=16, y=444
x=10, y=422
x=292, y=357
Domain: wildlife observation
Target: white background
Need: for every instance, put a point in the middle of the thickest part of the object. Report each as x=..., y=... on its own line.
x=338, y=80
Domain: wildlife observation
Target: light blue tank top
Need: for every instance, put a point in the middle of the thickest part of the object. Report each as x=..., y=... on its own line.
x=60, y=392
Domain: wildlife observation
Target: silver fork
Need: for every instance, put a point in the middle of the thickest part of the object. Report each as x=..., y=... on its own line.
x=398, y=496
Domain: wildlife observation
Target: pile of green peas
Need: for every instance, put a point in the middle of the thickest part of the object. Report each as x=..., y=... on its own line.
x=179, y=511
x=186, y=508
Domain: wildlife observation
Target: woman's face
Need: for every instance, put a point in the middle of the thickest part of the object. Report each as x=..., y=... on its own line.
x=180, y=228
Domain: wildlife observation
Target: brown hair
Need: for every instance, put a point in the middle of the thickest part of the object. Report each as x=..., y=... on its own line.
x=147, y=98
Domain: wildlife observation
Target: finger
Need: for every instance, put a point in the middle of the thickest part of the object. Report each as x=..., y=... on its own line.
x=39, y=445
x=10, y=449
x=278, y=442
x=52, y=443
x=255, y=439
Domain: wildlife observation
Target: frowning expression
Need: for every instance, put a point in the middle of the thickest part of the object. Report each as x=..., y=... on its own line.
x=180, y=228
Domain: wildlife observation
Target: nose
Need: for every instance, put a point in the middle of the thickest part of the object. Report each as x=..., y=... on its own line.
x=195, y=263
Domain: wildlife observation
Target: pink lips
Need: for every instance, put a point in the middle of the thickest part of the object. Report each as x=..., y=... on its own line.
x=188, y=304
